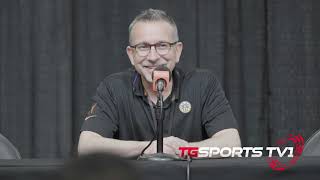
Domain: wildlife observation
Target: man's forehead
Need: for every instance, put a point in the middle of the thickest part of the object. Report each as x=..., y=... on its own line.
x=152, y=32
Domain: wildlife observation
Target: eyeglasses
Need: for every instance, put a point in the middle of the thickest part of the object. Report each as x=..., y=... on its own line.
x=162, y=48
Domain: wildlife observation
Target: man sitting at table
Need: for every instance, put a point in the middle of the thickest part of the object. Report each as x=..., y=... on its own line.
x=122, y=119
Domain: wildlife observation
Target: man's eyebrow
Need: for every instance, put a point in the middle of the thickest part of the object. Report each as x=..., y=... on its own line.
x=144, y=42
x=162, y=41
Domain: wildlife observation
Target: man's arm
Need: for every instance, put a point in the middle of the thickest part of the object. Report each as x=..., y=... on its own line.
x=90, y=142
x=224, y=138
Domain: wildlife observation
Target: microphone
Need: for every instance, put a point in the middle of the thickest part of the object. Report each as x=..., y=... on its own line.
x=161, y=76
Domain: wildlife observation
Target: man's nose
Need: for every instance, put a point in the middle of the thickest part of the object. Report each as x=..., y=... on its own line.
x=153, y=54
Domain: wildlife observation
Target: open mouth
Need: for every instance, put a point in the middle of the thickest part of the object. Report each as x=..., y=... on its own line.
x=149, y=67
x=153, y=67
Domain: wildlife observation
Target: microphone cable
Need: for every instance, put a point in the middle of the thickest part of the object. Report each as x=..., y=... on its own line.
x=154, y=135
x=144, y=149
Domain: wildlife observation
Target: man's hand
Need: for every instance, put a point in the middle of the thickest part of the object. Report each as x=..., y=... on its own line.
x=175, y=143
x=152, y=149
x=170, y=145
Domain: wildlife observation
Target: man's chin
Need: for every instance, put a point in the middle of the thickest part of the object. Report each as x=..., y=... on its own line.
x=146, y=77
x=148, y=80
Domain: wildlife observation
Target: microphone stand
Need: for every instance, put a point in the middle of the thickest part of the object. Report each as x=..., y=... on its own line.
x=160, y=156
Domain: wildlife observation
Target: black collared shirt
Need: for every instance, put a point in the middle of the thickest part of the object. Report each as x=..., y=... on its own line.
x=195, y=110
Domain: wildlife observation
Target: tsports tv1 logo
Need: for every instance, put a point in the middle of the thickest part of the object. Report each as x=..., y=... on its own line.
x=273, y=153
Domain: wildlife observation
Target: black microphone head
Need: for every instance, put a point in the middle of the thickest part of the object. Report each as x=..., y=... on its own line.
x=161, y=84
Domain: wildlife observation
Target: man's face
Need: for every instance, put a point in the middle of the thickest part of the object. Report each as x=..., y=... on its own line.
x=152, y=33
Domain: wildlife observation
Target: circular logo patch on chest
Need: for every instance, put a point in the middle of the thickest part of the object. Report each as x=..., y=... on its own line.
x=185, y=107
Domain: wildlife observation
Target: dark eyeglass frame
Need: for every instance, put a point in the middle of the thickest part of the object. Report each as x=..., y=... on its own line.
x=155, y=47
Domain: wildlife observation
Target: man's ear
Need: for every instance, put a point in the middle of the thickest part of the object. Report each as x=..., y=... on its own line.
x=130, y=53
x=178, y=49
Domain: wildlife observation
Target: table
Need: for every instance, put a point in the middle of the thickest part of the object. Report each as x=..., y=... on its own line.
x=307, y=168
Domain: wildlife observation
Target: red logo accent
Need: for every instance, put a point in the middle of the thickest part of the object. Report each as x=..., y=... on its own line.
x=191, y=151
x=298, y=142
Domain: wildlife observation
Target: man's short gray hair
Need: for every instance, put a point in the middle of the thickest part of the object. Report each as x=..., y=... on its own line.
x=153, y=15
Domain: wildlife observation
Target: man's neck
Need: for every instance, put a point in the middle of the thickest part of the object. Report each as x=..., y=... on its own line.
x=152, y=95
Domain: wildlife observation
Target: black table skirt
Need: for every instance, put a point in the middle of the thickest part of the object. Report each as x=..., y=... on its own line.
x=307, y=168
